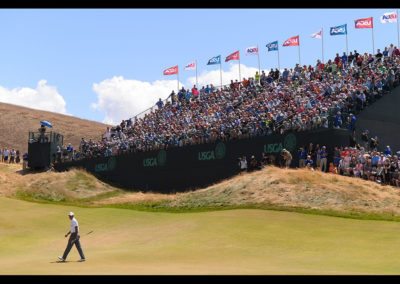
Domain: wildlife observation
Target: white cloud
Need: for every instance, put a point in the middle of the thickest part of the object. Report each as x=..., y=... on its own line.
x=119, y=98
x=44, y=97
x=213, y=77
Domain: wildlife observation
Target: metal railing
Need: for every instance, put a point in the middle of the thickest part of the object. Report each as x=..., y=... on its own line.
x=165, y=101
x=45, y=137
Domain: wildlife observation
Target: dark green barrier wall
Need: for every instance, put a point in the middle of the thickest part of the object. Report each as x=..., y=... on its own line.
x=180, y=169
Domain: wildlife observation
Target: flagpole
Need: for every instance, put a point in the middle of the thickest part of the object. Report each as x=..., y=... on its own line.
x=373, y=44
x=220, y=72
x=197, y=86
x=279, y=65
x=259, y=68
x=347, y=48
x=239, y=70
x=299, y=54
x=177, y=78
x=322, y=31
x=398, y=37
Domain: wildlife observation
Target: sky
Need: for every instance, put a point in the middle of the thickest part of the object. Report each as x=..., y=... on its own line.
x=107, y=64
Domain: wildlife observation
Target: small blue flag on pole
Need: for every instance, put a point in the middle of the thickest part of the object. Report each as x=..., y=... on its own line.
x=214, y=60
x=339, y=30
x=272, y=46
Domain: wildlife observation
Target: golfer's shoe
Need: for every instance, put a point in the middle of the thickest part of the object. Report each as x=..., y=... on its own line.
x=82, y=260
x=61, y=259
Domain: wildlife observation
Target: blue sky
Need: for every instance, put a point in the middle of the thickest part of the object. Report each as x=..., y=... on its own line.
x=113, y=57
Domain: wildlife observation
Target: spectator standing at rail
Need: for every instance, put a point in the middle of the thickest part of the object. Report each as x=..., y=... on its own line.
x=388, y=151
x=59, y=153
x=253, y=164
x=287, y=158
x=70, y=151
x=5, y=154
x=302, y=157
x=309, y=163
x=25, y=161
x=12, y=156
x=365, y=138
x=324, y=159
x=243, y=164
x=160, y=103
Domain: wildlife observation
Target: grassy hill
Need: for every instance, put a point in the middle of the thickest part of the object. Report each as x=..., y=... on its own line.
x=17, y=121
x=271, y=188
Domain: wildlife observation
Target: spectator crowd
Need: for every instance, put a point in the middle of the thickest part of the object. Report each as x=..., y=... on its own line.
x=9, y=155
x=302, y=98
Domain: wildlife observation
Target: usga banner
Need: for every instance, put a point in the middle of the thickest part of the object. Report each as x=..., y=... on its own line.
x=171, y=70
x=366, y=23
x=339, y=30
x=293, y=41
x=390, y=17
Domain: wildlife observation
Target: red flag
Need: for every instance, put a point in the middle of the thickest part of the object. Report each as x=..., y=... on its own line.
x=366, y=23
x=293, y=41
x=233, y=56
x=171, y=70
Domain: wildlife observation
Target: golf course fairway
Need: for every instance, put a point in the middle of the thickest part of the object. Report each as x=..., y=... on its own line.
x=245, y=241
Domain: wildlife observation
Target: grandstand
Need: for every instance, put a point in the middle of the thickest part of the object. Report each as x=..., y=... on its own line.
x=209, y=129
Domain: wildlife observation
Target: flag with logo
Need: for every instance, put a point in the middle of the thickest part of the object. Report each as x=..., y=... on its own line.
x=366, y=23
x=233, y=56
x=390, y=17
x=339, y=30
x=317, y=35
x=171, y=70
x=252, y=50
x=214, y=60
x=293, y=41
x=191, y=66
x=272, y=46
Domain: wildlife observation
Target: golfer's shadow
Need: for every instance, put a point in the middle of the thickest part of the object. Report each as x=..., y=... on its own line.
x=59, y=261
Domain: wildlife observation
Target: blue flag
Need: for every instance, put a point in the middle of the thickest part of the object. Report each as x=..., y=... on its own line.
x=339, y=30
x=272, y=46
x=214, y=60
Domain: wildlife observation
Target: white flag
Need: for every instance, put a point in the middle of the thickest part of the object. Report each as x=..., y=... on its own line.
x=390, y=17
x=191, y=66
x=317, y=35
x=252, y=50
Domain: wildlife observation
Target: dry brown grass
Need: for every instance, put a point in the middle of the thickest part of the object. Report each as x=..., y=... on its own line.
x=17, y=121
x=71, y=185
x=271, y=187
x=297, y=188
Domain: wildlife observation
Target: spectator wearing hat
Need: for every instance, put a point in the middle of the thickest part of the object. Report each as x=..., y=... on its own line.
x=309, y=163
x=388, y=151
x=302, y=157
x=73, y=239
x=253, y=164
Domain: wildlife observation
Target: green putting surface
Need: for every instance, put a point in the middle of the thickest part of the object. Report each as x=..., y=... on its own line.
x=244, y=241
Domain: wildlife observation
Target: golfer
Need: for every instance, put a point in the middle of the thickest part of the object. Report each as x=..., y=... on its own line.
x=73, y=239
